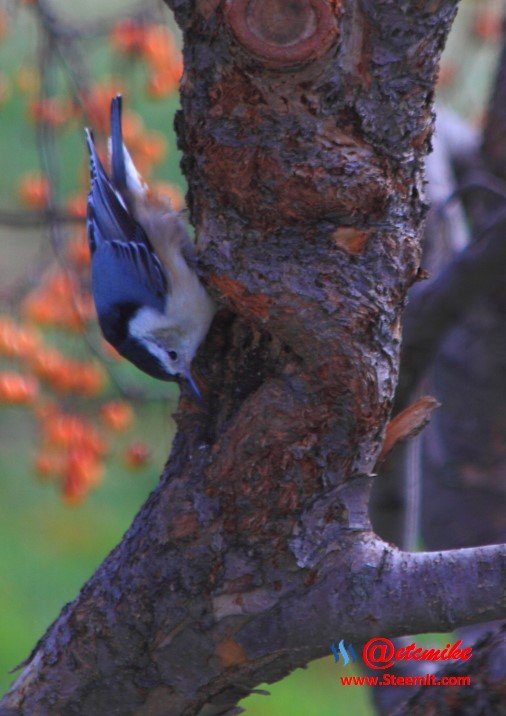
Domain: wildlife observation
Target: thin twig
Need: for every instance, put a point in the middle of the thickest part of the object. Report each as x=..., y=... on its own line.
x=36, y=219
x=435, y=307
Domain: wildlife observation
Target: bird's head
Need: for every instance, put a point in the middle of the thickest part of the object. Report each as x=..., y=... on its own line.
x=143, y=337
x=167, y=349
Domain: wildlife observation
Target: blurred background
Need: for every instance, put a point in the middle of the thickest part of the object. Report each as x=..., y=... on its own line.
x=83, y=436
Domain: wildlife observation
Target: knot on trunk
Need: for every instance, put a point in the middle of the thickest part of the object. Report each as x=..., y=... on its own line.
x=283, y=33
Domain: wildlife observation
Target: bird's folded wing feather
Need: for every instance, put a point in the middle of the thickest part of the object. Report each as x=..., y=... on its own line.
x=106, y=207
x=118, y=242
x=128, y=272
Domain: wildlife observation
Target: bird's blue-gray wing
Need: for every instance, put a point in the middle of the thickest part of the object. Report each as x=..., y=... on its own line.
x=125, y=268
x=118, y=168
x=108, y=217
x=126, y=274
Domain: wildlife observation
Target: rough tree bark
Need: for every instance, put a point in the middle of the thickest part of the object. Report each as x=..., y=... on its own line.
x=303, y=129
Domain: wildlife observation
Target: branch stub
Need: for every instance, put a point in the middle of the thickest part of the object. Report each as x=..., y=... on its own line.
x=282, y=33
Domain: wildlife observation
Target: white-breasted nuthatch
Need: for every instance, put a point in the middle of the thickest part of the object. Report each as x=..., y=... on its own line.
x=150, y=303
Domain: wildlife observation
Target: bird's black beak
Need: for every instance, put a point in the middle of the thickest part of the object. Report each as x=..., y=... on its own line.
x=193, y=385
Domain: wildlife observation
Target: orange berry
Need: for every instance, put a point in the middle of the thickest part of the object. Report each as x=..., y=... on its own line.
x=70, y=318
x=48, y=464
x=27, y=80
x=17, y=389
x=8, y=329
x=132, y=126
x=61, y=430
x=61, y=284
x=91, y=380
x=127, y=36
x=26, y=343
x=153, y=146
x=117, y=415
x=74, y=316
x=109, y=351
x=97, y=103
x=136, y=455
x=60, y=301
x=45, y=410
x=83, y=467
x=51, y=110
x=84, y=306
x=487, y=25
x=4, y=24
x=63, y=379
x=47, y=362
x=173, y=193
x=5, y=89
x=34, y=190
x=161, y=84
x=38, y=308
x=447, y=74
x=74, y=491
x=94, y=443
x=65, y=375
x=158, y=46
x=176, y=68
x=76, y=205
x=15, y=340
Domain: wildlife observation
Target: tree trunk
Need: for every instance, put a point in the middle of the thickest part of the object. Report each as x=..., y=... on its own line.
x=303, y=127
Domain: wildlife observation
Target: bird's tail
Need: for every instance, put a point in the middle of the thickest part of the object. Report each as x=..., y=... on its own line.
x=125, y=177
x=119, y=176
x=95, y=164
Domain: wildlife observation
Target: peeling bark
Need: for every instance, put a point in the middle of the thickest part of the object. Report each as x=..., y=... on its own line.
x=407, y=424
x=304, y=161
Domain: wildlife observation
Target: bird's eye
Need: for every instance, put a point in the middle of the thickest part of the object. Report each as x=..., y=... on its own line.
x=172, y=355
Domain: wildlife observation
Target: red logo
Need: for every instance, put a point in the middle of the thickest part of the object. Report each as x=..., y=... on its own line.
x=380, y=653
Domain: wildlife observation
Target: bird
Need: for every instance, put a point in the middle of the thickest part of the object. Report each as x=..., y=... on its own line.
x=151, y=306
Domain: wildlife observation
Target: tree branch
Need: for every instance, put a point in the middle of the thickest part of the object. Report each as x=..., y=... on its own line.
x=478, y=269
x=251, y=634
x=446, y=232
x=63, y=30
x=436, y=306
x=29, y=219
